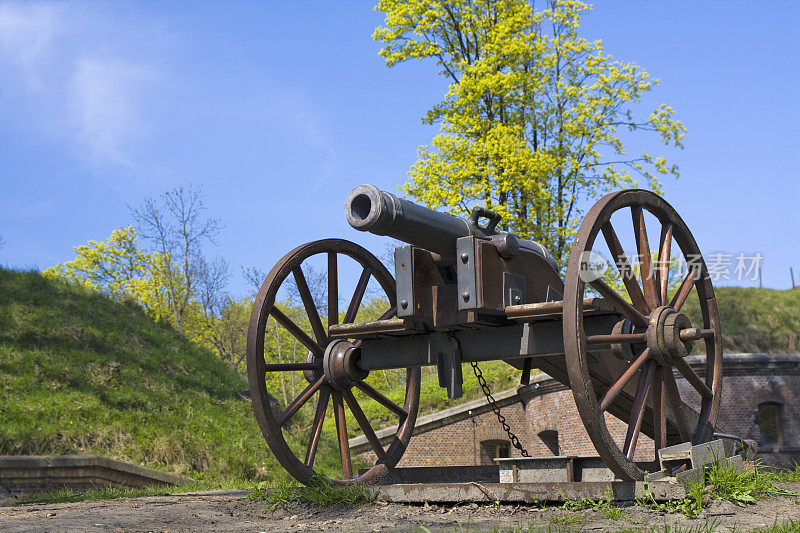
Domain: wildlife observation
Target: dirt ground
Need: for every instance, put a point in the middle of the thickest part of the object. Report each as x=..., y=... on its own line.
x=233, y=511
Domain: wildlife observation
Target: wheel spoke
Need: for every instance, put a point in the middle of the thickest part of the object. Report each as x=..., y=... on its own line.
x=683, y=291
x=664, y=254
x=675, y=404
x=341, y=433
x=333, y=290
x=693, y=379
x=659, y=410
x=637, y=412
x=383, y=400
x=296, y=332
x=298, y=402
x=615, y=389
x=645, y=259
x=311, y=307
x=358, y=295
x=625, y=269
x=626, y=338
x=316, y=428
x=363, y=423
x=619, y=303
x=283, y=367
x=389, y=313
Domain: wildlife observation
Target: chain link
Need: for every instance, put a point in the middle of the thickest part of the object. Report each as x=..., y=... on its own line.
x=493, y=404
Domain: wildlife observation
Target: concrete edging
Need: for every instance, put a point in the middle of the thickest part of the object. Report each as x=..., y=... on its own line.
x=553, y=492
x=32, y=473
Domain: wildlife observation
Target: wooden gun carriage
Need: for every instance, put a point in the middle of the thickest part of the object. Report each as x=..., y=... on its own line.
x=465, y=292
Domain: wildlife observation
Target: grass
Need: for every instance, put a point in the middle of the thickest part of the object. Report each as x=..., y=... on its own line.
x=104, y=493
x=321, y=493
x=604, y=506
x=754, y=320
x=565, y=518
x=83, y=374
x=784, y=475
x=740, y=486
x=723, y=481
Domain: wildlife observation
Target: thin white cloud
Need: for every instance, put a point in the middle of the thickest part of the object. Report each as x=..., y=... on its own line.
x=27, y=34
x=79, y=80
x=102, y=95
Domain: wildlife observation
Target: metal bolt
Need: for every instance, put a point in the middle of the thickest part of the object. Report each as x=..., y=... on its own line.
x=464, y=257
x=517, y=299
x=404, y=304
x=465, y=296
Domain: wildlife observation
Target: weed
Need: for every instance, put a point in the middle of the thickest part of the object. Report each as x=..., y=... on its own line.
x=321, y=493
x=689, y=506
x=605, y=506
x=787, y=475
x=564, y=518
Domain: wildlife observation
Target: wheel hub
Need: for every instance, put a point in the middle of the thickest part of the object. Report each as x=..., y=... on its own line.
x=663, y=335
x=340, y=364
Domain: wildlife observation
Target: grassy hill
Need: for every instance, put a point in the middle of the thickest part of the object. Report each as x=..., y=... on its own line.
x=81, y=373
x=756, y=320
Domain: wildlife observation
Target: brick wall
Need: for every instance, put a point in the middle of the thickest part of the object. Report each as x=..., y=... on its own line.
x=750, y=379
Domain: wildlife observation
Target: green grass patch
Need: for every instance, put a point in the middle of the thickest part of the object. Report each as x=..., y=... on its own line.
x=104, y=493
x=723, y=481
x=604, y=506
x=320, y=493
x=566, y=518
x=783, y=475
x=753, y=319
x=83, y=374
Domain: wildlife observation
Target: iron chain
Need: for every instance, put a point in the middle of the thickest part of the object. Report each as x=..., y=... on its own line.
x=493, y=404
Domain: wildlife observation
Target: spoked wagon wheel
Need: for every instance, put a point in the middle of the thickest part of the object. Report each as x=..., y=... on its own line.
x=331, y=368
x=649, y=342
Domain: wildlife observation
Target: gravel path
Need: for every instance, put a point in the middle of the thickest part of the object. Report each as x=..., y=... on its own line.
x=233, y=511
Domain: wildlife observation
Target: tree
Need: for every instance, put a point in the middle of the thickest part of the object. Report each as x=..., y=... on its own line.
x=119, y=268
x=532, y=124
x=176, y=225
x=227, y=331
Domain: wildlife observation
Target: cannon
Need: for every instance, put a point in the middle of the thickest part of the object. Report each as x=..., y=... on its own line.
x=465, y=291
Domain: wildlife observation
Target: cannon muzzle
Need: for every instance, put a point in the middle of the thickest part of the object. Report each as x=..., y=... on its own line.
x=367, y=208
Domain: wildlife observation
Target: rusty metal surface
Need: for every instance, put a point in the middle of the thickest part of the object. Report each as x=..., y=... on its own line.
x=648, y=315
x=376, y=328
x=537, y=272
x=553, y=310
x=336, y=377
x=553, y=492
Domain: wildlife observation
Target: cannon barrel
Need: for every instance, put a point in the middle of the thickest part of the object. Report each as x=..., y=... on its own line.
x=368, y=208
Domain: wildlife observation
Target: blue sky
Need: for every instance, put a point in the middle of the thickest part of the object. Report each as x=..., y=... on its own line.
x=279, y=108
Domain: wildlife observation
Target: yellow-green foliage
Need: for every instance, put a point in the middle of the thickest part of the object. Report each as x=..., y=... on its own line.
x=532, y=123
x=121, y=269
